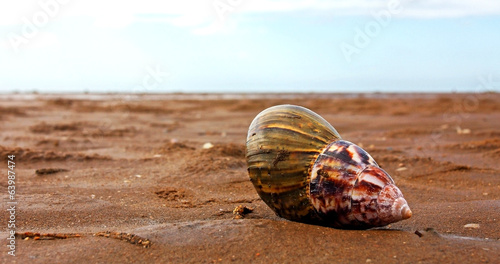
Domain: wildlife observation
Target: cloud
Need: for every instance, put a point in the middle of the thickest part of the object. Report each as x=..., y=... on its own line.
x=201, y=15
x=412, y=8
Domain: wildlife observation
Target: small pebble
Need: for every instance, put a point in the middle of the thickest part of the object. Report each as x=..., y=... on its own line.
x=401, y=169
x=464, y=131
x=475, y=226
x=208, y=145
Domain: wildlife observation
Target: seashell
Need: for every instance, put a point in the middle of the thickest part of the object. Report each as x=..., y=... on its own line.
x=305, y=172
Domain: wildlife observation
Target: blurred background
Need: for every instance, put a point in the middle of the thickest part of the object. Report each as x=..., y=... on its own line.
x=61, y=46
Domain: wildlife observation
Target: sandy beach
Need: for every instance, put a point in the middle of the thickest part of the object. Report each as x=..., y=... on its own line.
x=125, y=178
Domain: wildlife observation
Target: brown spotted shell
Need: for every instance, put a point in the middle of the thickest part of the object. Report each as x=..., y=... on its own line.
x=305, y=172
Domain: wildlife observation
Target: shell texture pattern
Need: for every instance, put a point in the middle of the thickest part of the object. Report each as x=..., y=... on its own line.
x=305, y=172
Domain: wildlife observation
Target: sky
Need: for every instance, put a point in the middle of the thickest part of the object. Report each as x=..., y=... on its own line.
x=58, y=46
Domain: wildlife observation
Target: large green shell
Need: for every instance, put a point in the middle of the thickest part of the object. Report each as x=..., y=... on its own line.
x=282, y=144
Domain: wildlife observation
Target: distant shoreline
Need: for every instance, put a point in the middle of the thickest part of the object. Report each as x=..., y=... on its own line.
x=218, y=96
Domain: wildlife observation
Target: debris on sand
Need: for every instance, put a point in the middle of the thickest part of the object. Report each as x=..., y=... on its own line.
x=240, y=211
x=427, y=232
x=131, y=238
x=464, y=131
x=208, y=145
x=473, y=226
x=49, y=171
x=46, y=236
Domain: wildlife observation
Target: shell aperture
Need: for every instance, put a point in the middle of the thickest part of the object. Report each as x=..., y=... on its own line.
x=305, y=172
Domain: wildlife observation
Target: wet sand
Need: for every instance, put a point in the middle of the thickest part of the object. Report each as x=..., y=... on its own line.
x=88, y=164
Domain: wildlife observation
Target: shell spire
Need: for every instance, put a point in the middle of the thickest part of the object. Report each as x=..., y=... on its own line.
x=305, y=172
